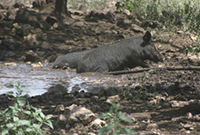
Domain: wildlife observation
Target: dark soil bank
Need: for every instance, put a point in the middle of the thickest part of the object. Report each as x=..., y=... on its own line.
x=167, y=102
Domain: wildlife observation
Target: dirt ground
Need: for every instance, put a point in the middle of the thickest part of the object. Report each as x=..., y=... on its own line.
x=168, y=102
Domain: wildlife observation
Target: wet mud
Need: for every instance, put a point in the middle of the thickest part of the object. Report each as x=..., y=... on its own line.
x=165, y=102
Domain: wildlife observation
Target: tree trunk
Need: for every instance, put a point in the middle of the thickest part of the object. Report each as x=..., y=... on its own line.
x=61, y=7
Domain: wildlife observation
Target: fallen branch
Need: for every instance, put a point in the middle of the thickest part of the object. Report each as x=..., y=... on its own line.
x=154, y=68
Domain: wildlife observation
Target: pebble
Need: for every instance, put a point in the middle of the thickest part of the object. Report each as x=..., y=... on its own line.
x=10, y=64
x=152, y=126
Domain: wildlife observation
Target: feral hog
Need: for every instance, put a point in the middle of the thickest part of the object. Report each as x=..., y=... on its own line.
x=130, y=52
x=69, y=60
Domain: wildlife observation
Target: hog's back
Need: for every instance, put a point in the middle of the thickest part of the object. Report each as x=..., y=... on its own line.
x=112, y=57
x=70, y=60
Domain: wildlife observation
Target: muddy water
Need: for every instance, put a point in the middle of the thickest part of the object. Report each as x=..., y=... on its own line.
x=39, y=80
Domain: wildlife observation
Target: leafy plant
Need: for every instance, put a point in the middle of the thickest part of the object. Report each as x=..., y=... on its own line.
x=129, y=5
x=114, y=119
x=127, y=94
x=140, y=93
x=22, y=118
x=194, y=50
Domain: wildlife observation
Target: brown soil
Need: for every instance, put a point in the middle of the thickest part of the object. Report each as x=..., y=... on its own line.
x=174, y=110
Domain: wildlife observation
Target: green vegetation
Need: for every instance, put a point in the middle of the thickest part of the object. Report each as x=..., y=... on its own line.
x=22, y=118
x=141, y=93
x=186, y=11
x=114, y=118
x=88, y=4
x=12, y=2
x=195, y=50
x=175, y=15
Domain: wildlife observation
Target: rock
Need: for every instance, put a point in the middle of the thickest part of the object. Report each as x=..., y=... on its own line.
x=91, y=133
x=44, y=25
x=126, y=12
x=110, y=16
x=61, y=119
x=24, y=16
x=81, y=101
x=188, y=126
x=1, y=6
x=103, y=98
x=136, y=28
x=197, y=117
x=81, y=115
x=75, y=89
x=180, y=98
x=159, y=101
x=51, y=20
x=10, y=64
x=62, y=132
x=94, y=98
x=152, y=126
x=59, y=109
x=154, y=102
x=10, y=15
x=123, y=23
x=133, y=119
x=150, y=23
x=31, y=41
x=31, y=56
x=174, y=17
x=70, y=108
x=95, y=15
x=180, y=32
x=189, y=115
x=79, y=24
x=175, y=103
x=76, y=12
x=57, y=26
x=38, y=4
x=67, y=126
x=113, y=99
x=19, y=5
x=39, y=64
x=9, y=44
x=80, y=94
x=97, y=123
x=22, y=30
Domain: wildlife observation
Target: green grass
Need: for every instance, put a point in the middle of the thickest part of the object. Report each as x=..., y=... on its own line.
x=189, y=11
x=173, y=15
x=153, y=9
x=12, y=2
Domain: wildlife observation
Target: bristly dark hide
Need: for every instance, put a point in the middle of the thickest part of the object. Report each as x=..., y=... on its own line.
x=69, y=60
x=130, y=52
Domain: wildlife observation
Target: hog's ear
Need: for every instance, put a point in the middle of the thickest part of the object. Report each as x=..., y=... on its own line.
x=147, y=37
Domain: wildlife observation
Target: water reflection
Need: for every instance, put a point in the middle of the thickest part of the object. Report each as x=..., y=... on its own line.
x=38, y=80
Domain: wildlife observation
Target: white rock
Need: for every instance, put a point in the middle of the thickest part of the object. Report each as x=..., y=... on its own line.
x=175, y=103
x=97, y=123
x=10, y=64
x=113, y=99
x=70, y=108
x=152, y=126
x=81, y=115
